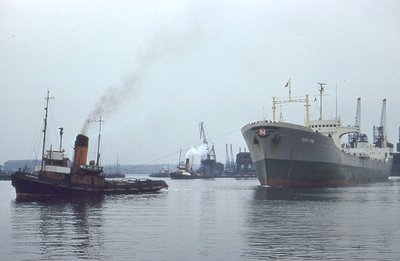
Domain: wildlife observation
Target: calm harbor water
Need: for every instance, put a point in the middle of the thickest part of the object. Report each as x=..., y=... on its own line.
x=222, y=219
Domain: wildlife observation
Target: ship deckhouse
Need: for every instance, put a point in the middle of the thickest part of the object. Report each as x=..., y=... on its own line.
x=332, y=128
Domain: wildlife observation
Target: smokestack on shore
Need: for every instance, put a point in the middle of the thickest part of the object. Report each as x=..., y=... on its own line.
x=187, y=167
x=81, y=152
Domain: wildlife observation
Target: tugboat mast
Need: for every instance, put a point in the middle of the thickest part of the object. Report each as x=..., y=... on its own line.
x=98, y=143
x=46, y=109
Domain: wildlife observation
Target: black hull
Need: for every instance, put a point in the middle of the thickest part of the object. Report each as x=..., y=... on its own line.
x=395, y=171
x=27, y=185
x=315, y=174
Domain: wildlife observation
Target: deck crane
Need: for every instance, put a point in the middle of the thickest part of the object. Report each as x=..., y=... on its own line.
x=354, y=137
x=383, y=119
x=358, y=113
x=380, y=131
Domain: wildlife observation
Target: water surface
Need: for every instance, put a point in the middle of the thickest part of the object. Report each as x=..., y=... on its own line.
x=221, y=219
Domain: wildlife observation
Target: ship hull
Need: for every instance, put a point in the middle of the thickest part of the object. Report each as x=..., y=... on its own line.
x=28, y=185
x=179, y=175
x=395, y=172
x=291, y=155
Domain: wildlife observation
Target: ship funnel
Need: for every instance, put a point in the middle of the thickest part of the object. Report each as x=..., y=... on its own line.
x=81, y=152
x=187, y=168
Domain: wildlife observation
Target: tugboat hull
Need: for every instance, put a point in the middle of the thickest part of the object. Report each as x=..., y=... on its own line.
x=28, y=185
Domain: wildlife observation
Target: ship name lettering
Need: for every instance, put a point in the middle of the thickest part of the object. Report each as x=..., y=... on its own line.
x=307, y=140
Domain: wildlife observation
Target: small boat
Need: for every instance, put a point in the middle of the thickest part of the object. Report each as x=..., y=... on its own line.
x=54, y=177
x=163, y=173
x=4, y=176
x=115, y=175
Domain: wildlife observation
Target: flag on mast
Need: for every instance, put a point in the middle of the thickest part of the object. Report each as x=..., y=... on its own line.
x=288, y=83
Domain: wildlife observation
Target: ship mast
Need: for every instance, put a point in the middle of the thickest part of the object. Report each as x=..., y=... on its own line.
x=321, y=90
x=98, y=142
x=117, y=165
x=180, y=154
x=46, y=109
x=61, y=134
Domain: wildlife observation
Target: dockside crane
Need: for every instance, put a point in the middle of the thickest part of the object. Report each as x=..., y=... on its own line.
x=203, y=132
x=209, y=167
x=228, y=162
x=232, y=159
x=210, y=152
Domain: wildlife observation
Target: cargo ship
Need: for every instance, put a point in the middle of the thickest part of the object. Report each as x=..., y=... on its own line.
x=54, y=177
x=286, y=154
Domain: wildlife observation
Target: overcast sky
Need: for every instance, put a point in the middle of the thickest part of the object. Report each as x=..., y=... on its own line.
x=158, y=68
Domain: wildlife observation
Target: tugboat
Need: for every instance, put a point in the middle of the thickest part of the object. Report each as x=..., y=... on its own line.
x=184, y=172
x=54, y=177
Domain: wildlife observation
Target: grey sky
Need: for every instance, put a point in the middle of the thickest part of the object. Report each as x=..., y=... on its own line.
x=171, y=64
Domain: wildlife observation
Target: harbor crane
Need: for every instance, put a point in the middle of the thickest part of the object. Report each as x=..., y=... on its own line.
x=209, y=167
x=203, y=132
x=210, y=152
